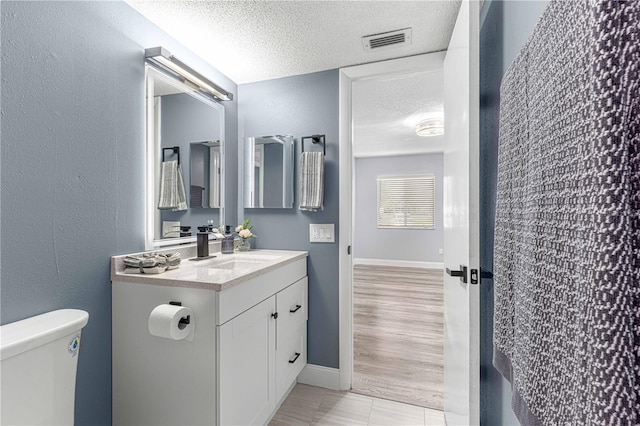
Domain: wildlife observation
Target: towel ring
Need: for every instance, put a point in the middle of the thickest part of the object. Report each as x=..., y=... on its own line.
x=175, y=149
x=316, y=139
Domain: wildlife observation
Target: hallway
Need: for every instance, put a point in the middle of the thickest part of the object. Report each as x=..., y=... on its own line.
x=398, y=334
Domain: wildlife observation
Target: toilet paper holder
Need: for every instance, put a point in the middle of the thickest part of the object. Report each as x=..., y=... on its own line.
x=184, y=321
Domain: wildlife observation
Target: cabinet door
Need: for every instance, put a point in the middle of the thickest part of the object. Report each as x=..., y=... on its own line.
x=291, y=339
x=292, y=310
x=247, y=364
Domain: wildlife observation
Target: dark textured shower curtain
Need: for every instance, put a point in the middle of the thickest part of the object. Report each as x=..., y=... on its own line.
x=567, y=244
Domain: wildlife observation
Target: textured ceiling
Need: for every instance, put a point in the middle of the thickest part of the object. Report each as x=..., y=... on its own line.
x=259, y=40
x=386, y=110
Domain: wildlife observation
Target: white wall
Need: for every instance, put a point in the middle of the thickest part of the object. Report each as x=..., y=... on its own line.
x=416, y=245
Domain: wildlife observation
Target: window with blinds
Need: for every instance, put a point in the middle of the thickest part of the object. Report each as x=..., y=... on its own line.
x=406, y=202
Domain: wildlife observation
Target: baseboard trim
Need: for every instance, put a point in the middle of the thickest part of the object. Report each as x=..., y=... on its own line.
x=400, y=263
x=317, y=375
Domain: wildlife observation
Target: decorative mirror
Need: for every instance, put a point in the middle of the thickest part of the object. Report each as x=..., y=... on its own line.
x=185, y=157
x=267, y=172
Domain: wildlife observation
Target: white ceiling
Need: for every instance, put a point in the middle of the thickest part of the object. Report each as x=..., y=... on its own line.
x=386, y=109
x=252, y=41
x=259, y=40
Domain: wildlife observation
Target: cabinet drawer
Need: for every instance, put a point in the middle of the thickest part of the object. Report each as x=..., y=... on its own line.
x=291, y=357
x=292, y=310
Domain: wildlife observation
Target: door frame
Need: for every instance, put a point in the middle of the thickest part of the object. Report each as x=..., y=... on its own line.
x=347, y=76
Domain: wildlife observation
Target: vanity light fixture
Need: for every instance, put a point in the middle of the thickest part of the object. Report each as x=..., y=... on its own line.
x=165, y=60
x=430, y=127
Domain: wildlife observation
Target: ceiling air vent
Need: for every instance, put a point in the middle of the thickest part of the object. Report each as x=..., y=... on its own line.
x=388, y=39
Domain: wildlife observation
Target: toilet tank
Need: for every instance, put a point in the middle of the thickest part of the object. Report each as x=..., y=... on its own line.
x=38, y=360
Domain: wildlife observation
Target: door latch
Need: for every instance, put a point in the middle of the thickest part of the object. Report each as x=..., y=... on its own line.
x=462, y=273
x=474, y=276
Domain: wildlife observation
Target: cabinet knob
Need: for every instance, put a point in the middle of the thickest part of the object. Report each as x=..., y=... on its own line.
x=274, y=315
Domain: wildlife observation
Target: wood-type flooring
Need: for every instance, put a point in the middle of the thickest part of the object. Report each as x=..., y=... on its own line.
x=398, y=334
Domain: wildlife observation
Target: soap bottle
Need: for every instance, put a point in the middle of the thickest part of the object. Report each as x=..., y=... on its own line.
x=227, y=242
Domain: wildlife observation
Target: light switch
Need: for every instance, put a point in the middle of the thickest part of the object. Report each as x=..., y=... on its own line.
x=322, y=233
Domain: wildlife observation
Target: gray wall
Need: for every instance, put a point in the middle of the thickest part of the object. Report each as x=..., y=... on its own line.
x=418, y=245
x=303, y=105
x=72, y=165
x=505, y=27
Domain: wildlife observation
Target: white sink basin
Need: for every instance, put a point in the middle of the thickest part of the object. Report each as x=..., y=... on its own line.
x=257, y=257
x=238, y=261
x=234, y=264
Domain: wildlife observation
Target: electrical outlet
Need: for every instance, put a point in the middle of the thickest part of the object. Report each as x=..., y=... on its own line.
x=322, y=233
x=314, y=232
x=440, y=251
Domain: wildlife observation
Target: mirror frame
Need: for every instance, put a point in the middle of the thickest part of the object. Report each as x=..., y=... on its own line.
x=154, y=157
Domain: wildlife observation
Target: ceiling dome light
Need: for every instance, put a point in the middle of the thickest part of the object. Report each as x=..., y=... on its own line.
x=430, y=127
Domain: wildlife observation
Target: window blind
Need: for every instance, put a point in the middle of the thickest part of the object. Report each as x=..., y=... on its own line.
x=406, y=202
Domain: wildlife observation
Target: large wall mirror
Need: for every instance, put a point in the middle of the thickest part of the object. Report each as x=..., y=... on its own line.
x=267, y=172
x=185, y=160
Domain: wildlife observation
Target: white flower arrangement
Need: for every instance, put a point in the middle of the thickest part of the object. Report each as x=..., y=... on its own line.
x=244, y=230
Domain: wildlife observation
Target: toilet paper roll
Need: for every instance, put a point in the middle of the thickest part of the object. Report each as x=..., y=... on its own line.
x=164, y=321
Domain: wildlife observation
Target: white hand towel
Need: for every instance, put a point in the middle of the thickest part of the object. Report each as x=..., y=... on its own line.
x=182, y=196
x=172, y=194
x=311, y=181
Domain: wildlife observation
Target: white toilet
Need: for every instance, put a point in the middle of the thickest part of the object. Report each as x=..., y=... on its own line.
x=38, y=360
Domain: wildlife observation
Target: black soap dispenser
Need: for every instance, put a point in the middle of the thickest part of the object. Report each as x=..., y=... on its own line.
x=227, y=242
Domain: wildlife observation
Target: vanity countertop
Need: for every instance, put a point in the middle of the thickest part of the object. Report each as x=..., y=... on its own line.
x=218, y=273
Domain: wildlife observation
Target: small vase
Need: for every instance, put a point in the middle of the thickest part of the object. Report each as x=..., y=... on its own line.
x=244, y=244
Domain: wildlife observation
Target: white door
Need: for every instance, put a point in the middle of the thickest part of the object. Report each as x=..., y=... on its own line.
x=461, y=311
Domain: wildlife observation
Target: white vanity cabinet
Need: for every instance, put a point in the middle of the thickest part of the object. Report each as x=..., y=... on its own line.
x=291, y=335
x=261, y=352
x=247, y=366
x=244, y=353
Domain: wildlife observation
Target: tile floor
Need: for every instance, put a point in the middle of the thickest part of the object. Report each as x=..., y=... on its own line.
x=310, y=405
